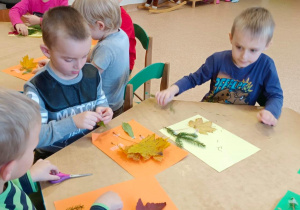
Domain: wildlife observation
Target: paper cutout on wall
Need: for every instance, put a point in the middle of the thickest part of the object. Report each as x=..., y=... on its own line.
x=223, y=148
x=108, y=141
x=146, y=188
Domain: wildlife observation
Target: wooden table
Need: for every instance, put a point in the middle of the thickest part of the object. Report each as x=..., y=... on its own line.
x=257, y=182
x=11, y=52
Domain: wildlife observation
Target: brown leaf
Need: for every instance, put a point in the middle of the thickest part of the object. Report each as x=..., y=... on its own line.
x=202, y=127
x=150, y=206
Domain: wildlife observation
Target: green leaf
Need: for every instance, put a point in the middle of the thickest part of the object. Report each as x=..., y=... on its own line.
x=127, y=128
x=101, y=124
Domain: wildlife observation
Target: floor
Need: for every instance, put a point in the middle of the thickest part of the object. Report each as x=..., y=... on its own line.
x=187, y=36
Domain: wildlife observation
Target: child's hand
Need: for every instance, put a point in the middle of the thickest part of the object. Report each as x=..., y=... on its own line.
x=165, y=96
x=22, y=29
x=266, y=117
x=111, y=199
x=86, y=120
x=32, y=20
x=41, y=64
x=43, y=170
x=106, y=114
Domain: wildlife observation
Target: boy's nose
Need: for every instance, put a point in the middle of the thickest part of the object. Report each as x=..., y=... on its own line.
x=77, y=65
x=244, y=54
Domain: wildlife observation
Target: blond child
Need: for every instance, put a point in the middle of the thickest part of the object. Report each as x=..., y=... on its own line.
x=19, y=137
x=243, y=75
x=68, y=90
x=111, y=55
x=35, y=8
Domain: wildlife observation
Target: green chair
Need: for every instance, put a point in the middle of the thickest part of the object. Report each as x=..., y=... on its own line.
x=153, y=71
x=146, y=41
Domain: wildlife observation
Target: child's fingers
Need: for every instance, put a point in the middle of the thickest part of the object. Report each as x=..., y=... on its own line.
x=106, y=119
x=94, y=116
x=165, y=100
x=52, y=177
x=160, y=99
x=54, y=170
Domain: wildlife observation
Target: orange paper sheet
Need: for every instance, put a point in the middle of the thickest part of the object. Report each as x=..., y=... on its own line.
x=108, y=142
x=146, y=188
x=94, y=42
x=25, y=77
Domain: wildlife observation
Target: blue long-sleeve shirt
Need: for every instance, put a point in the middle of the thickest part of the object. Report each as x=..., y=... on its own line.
x=229, y=84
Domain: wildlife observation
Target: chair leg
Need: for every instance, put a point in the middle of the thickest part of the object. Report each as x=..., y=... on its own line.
x=128, y=102
x=164, y=84
x=147, y=88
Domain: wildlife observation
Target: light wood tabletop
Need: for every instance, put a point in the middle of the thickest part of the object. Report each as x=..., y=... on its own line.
x=257, y=182
x=11, y=52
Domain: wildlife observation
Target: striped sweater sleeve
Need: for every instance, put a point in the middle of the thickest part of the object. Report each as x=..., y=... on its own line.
x=15, y=197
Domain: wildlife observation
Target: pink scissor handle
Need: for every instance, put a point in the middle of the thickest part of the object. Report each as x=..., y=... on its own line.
x=62, y=178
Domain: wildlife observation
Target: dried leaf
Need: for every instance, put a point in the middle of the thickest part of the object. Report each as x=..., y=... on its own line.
x=150, y=206
x=147, y=148
x=27, y=64
x=202, y=127
x=127, y=128
x=78, y=207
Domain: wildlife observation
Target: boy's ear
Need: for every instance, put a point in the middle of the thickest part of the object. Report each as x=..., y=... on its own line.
x=100, y=25
x=6, y=171
x=45, y=50
x=269, y=44
x=230, y=38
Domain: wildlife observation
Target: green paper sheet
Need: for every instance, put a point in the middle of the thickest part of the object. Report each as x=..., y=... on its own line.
x=223, y=148
x=284, y=202
x=299, y=172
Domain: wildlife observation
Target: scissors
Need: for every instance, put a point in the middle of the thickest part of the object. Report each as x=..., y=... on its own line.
x=67, y=176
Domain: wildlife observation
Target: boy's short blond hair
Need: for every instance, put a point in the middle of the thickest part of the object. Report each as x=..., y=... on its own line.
x=106, y=11
x=19, y=114
x=64, y=22
x=256, y=20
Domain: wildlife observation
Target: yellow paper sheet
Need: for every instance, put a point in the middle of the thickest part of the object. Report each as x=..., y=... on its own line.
x=223, y=148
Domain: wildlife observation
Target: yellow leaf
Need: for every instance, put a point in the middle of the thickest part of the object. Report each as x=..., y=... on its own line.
x=147, y=148
x=28, y=64
x=202, y=127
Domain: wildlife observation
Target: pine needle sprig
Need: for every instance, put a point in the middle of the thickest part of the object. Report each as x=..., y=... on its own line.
x=178, y=142
x=188, y=137
x=170, y=131
x=184, y=134
x=193, y=141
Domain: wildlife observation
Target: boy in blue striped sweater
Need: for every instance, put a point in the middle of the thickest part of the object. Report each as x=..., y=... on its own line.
x=20, y=125
x=68, y=90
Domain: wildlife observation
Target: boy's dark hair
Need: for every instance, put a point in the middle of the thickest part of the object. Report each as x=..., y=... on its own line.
x=63, y=21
